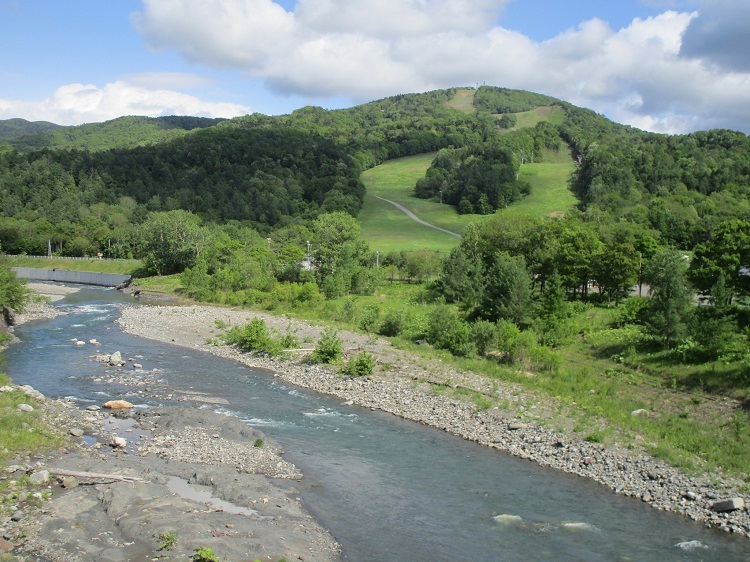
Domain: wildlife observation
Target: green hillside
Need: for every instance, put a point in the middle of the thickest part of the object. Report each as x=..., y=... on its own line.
x=124, y=132
x=11, y=128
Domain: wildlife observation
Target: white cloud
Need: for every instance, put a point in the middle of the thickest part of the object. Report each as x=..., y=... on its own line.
x=73, y=104
x=366, y=49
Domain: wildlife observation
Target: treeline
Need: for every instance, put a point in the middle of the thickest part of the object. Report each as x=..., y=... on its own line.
x=80, y=200
x=680, y=185
x=123, y=132
x=530, y=273
x=483, y=178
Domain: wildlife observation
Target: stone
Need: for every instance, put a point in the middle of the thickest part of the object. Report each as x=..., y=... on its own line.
x=689, y=496
x=5, y=546
x=119, y=442
x=69, y=482
x=93, y=408
x=730, y=504
x=640, y=412
x=39, y=478
x=137, y=366
x=25, y=408
x=6, y=388
x=76, y=432
x=80, y=343
x=118, y=405
x=115, y=359
x=517, y=426
x=31, y=392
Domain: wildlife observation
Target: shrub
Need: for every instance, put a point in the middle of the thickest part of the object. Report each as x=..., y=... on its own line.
x=168, y=540
x=204, y=554
x=448, y=331
x=392, y=324
x=369, y=319
x=329, y=348
x=254, y=336
x=484, y=336
x=360, y=365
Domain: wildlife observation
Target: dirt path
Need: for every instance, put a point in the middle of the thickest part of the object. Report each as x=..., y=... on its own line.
x=414, y=217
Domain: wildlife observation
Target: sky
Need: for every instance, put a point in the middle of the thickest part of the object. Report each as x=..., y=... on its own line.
x=669, y=66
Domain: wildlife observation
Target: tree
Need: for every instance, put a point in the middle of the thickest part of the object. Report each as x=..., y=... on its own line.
x=670, y=305
x=13, y=291
x=461, y=280
x=507, y=293
x=727, y=255
x=339, y=252
x=171, y=241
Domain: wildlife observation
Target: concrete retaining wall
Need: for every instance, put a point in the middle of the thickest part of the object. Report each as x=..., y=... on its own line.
x=68, y=276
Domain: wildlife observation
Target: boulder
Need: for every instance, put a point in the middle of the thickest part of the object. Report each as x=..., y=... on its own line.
x=25, y=408
x=730, y=504
x=118, y=442
x=76, y=432
x=118, y=405
x=69, y=482
x=115, y=359
x=31, y=392
x=39, y=478
x=93, y=408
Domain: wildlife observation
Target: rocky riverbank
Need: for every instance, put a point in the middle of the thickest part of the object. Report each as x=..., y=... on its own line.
x=404, y=385
x=151, y=484
x=158, y=483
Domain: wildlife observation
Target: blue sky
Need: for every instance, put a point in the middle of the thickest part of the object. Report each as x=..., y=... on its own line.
x=661, y=65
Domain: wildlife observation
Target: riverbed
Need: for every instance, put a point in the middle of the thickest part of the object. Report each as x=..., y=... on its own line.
x=386, y=487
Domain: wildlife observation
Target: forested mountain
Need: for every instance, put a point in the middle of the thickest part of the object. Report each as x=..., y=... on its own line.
x=88, y=183
x=124, y=132
x=11, y=128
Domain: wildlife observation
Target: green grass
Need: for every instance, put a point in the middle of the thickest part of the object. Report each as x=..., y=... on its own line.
x=14, y=436
x=552, y=114
x=463, y=101
x=124, y=267
x=549, y=188
x=386, y=228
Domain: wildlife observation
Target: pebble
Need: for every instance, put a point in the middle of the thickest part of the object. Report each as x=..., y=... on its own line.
x=625, y=471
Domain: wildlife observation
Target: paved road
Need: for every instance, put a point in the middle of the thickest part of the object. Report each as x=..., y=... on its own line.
x=414, y=217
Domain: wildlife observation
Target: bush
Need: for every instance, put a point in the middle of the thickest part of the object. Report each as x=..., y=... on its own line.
x=369, y=320
x=329, y=348
x=448, y=331
x=256, y=337
x=392, y=324
x=360, y=365
x=484, y=336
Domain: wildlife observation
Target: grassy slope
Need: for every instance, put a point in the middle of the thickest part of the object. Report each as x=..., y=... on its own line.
x=553, y=114
x=386, y=228
x=124, y=267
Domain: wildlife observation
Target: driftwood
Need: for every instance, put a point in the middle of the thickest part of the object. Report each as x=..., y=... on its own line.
x=95, y=475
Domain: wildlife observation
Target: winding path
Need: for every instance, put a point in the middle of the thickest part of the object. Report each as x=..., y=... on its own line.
x=414, y=217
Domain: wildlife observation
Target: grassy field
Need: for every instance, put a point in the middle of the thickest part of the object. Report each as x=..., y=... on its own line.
x=463, y=101
x=549, y=188
x=386, y=228
x=125, y=267
x=553, y=114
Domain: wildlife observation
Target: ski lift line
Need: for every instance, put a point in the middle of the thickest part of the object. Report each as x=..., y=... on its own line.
x=414, y=217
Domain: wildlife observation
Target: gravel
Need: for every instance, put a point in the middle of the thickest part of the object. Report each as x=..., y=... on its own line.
x=406, y=388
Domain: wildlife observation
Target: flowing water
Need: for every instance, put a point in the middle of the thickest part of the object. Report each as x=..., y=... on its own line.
x=387, y=488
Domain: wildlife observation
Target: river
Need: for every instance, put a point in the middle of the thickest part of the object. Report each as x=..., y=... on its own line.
x=387, y=488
